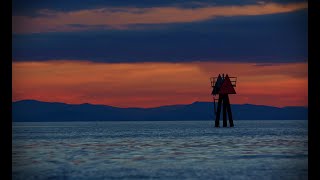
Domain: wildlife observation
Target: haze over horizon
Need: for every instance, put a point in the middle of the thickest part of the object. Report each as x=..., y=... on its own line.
x=149, y=54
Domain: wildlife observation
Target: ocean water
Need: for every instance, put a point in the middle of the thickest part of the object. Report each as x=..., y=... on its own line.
x=160, y=150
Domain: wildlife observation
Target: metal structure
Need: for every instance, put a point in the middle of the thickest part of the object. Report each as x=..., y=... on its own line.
x=223, y=86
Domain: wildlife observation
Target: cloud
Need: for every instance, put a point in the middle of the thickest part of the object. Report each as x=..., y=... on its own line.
x=124, y=17
x=30, y=7
x=260, y=39
x=155, y=84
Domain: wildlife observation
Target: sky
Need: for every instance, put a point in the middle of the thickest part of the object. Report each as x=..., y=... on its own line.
x=152, y=53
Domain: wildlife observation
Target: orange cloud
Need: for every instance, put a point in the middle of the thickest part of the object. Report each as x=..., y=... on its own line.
x=122, y=18
x=155, y=84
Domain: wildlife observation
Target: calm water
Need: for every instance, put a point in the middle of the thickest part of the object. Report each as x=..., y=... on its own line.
x=160, y=150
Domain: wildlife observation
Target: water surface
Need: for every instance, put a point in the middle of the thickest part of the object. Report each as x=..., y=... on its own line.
x=160, y=150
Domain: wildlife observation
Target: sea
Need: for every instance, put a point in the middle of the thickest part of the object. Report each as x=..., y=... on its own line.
x=252, y=149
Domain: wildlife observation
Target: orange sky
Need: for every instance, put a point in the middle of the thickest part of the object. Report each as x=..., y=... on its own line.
x=156, y=84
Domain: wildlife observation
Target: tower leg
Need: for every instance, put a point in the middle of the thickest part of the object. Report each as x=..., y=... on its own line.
x=218, y=112
x=224, y=111
x=229, y=111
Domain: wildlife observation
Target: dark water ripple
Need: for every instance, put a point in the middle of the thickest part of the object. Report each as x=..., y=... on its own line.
x=160, y=150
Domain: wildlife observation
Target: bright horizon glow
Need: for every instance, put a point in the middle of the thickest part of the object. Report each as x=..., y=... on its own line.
x=157, y=84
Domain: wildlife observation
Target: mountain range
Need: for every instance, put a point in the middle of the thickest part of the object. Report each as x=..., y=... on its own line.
x=32, y=110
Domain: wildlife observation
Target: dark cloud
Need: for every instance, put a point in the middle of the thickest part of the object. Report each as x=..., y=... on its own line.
x=261, y=39
x=31, y=7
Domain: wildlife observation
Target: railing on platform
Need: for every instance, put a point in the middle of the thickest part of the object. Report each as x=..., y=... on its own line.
x=232, y=79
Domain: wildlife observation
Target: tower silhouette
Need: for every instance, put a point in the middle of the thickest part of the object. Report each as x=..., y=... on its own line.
x=223, y=86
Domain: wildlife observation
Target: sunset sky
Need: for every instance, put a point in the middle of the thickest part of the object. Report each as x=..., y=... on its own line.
x=151, y=53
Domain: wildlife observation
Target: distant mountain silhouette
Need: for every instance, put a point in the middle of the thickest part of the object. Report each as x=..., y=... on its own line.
x=31, y=110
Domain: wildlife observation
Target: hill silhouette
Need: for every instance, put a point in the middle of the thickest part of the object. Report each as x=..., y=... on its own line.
x=32, y=110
